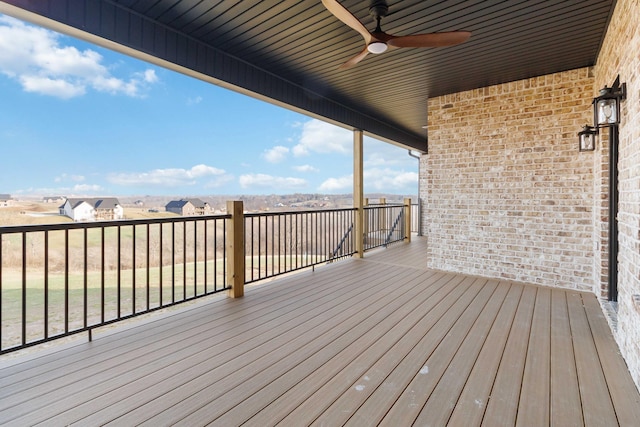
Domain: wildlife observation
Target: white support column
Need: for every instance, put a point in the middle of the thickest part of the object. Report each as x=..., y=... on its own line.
x=358, y=191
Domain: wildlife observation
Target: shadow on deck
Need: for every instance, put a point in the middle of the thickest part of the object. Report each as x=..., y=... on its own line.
x=379, y=340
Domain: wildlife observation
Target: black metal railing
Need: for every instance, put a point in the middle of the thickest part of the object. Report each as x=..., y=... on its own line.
x=281, y=242
x=61, y=279
x=346, y=239
x=383, y=225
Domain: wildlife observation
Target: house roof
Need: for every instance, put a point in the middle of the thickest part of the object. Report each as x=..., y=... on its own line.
x=5, y=196
x=179, y=204
x=106, y=203
x=182, y=202
x=289, y=52
x=198, y=203
x=95, y=202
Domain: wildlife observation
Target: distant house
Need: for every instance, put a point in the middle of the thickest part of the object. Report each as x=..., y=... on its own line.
x=5, y=200
x=53, y=199
x=188, y=207
x=92, y=209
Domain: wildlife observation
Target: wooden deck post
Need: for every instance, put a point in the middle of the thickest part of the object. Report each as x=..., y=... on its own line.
x=235, y=249
x=407, y=219
x=358, y=192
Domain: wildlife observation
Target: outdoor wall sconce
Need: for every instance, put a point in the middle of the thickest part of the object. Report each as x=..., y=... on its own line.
x=606, y=107
x=587, y=138
x=606, y=113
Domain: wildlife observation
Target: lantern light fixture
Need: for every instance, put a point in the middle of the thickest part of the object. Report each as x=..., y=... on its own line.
x=606, y=107
x=606, y=113
x=587, y=138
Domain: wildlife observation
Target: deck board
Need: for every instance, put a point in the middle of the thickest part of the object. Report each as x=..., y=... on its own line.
x=613, y=365
x=565, y=402
x=535, y=380
x=597, y=406
x=210, y=366
x=289, y=392
x=318, y=399
x=160, y=353
x=438, y=408
x=330, y=335
x=424, y=380
x=371, y=396
x=505, y=394
x=379, y=340
x=472, y=401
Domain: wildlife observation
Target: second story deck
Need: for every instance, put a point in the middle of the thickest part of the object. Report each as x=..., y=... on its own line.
x=379, y=340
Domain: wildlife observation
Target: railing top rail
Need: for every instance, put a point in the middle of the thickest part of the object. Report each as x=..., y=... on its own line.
x=100, y=224
x=386, y=205
x=257, y=214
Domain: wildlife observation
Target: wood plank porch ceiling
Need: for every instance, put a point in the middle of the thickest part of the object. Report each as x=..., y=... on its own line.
x=290, y=51
x=362, y=342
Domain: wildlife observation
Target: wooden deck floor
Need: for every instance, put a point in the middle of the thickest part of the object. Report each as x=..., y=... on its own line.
x=379, y=341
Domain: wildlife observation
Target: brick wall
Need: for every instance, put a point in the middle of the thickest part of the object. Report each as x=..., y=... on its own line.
x=620, y=55
x=505, y=191
x=506, y=194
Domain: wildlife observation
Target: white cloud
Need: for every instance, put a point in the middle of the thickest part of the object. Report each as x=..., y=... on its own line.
x=150, y=76
x=79, y=189
x=381, y=154
x=268, y=181
x=87, y=188
x=383, y=180
x=375, y=180
x=275, y=154
x=306, y=168
x=203, y=170
x=381, y=159
x=320, y=137
x=53, y=87
x=333, y=185
x=64, y=178
x=36, y=59
x=172, y=177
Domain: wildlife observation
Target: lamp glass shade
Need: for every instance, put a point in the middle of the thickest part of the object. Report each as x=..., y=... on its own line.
x=607, y=112
x=587, y=142
x=587, y=139
x=377, y=47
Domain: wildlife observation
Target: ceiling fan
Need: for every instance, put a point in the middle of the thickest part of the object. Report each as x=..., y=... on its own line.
x=378, y=41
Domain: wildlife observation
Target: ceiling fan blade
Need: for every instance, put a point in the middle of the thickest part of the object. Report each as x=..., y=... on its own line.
x=450, y=38
x=340, y=12
x=353, y=61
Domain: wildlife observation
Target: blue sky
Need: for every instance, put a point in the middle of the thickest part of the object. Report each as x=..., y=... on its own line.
x=80, y=120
